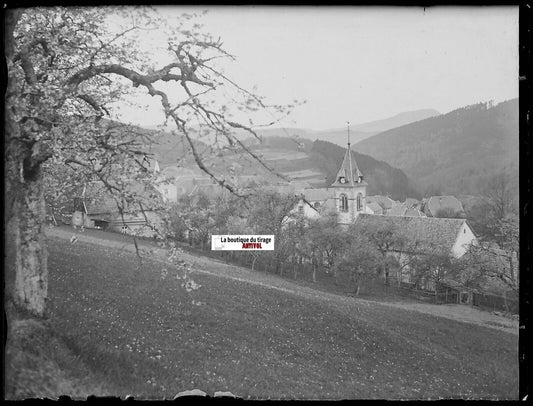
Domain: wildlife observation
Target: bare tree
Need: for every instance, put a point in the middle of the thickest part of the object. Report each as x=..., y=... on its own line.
x=360, y=261
x=501, y=195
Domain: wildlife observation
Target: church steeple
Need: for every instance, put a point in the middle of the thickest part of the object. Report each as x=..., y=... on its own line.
x=349, y=174
x=350, y=188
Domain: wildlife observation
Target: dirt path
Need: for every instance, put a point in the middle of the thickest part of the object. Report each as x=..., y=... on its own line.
x=218, y=268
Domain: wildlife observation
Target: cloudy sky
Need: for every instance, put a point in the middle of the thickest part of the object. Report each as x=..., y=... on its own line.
x=360, y=64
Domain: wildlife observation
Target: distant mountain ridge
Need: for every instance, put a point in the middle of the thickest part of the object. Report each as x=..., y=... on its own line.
x=453, y=153
x=392, y=122
x=358, y=132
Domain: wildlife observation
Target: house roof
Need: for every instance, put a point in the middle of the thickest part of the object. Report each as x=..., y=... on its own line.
x=104, y=206
x=349, y=170
x=436, y=203
x=99, y=202
x=376, y=208
x=428, y=232
x=384, y=201
x=210, y=190
x=397, y=210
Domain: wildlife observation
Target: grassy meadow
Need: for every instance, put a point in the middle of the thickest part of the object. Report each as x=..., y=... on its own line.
x=116, y=329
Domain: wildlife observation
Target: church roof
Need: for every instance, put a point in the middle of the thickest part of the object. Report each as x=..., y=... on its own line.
x=349, y=170
x=429, y=233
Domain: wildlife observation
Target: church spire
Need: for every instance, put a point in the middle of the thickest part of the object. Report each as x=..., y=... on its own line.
x=349, y=174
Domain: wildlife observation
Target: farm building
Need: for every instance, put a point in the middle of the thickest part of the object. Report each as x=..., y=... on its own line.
x=419, y=236
x=95, y=208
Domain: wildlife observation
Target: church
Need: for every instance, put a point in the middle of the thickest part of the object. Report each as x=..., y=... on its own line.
x=425, y=235
x=346, y=196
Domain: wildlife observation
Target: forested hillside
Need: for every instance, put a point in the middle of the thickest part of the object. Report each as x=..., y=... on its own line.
x=382, y=178
x=454, y=153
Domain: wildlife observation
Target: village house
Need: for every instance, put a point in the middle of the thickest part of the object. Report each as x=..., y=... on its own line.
x=420, y=236
x=96, y=208
x=385, y=202
x=373, y=208
x=306, y=209
x=101, y=211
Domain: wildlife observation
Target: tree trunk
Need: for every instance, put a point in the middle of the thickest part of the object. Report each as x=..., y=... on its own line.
x=314, y=272
x=253, y=262
x=27, y=209
x=31, y=272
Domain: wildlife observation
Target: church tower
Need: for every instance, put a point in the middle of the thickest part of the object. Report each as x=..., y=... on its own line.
x=350, y=188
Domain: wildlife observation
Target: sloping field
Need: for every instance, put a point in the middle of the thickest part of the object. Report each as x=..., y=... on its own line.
x=149, y=337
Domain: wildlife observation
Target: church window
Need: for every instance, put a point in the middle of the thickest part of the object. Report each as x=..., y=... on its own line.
x=359, y=202
x=301, y=209
x=344, y=202
x=317, y=205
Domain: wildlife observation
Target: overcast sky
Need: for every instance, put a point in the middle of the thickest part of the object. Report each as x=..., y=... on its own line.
x=360, y=64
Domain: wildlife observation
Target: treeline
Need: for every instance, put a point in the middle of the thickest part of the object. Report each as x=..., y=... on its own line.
x=382, y=178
